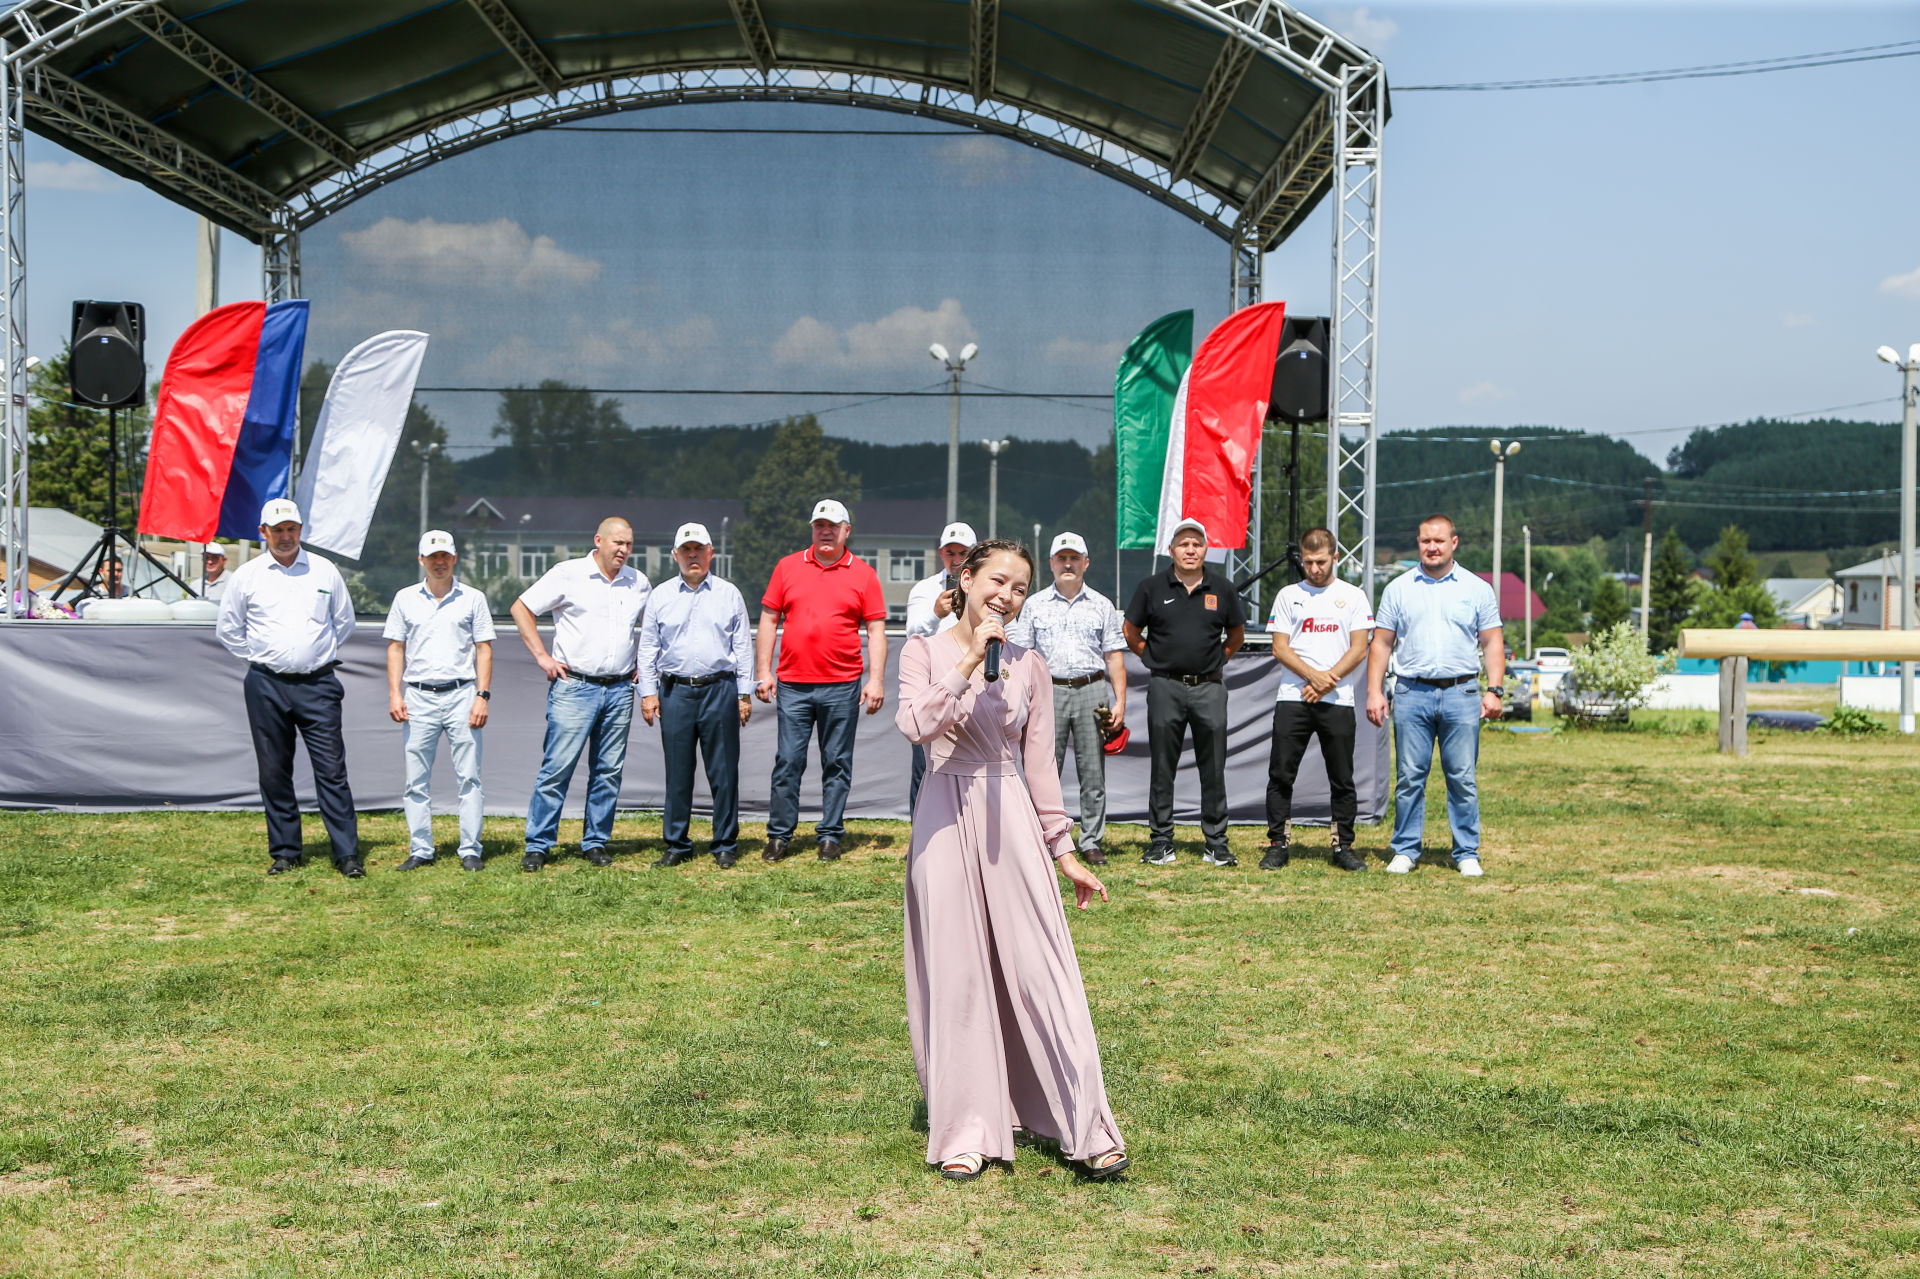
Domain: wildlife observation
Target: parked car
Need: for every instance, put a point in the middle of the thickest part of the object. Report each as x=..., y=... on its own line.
x=1573, y=702
x=1552, y=663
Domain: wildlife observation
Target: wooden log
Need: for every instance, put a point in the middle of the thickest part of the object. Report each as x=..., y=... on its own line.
x=1802, y=646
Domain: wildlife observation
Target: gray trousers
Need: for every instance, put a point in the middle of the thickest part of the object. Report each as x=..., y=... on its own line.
x=1073, y=722
x=1173, y=708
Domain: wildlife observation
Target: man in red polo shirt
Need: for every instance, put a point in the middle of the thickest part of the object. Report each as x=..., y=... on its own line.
x=823, y=595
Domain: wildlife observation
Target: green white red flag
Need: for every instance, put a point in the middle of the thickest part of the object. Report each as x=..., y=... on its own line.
x=1216, y=420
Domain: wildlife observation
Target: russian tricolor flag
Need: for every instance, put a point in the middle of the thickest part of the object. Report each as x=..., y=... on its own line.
x=224, y=425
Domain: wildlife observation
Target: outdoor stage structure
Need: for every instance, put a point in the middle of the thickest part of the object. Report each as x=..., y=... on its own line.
x=267, y=118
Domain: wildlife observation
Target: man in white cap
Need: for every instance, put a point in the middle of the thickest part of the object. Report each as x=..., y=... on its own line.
x=214, y=578
x=596, y=602
x=287, y=614
x=696, y=682
x=439, y=671
x=1077, y=630
x=822, y=597
x=930, y=611
x=1184, y=624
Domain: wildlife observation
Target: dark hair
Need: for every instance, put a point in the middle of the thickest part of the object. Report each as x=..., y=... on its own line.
x=1316, y=539
x=977, y=557
x=1452, y=530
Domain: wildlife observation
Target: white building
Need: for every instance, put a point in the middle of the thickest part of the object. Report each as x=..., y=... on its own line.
x=1811, y=602
x=1870, y=594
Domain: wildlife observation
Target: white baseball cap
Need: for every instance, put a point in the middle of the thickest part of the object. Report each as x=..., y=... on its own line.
x=280, y=511
x=214, y=548
x=1068, y=542
x=436, y=540
x=1183, y=526
x=833, y=512
x=694, y=531
x=958, y=533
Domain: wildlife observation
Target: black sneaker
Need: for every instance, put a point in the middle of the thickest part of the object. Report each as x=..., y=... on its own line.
x=470, y=863
x=281, y=865
x=1347, y=859
x=597, y=856
x=1276, y=858
x=414, y=863
x=1159, y=856
x=532, y=862
x=1219, y=857
x=353, y=869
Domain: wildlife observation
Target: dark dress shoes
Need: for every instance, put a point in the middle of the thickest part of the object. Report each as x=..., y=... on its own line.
x=1094, y=857
x=281, y=865
x=352, y=868
x=778, y=849
x=829, y=850
x=532, y=862
x=413, y=863
x=670, y=859
x=597, y=856
x=725, y=860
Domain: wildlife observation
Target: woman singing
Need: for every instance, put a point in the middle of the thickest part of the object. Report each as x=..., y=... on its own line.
x=1002, y=1038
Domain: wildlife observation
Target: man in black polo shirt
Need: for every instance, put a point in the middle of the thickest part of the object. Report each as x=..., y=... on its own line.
x=1176, y=624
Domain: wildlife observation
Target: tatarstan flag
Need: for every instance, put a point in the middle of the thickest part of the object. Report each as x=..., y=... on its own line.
x=1217, y=417
x=1144, y=390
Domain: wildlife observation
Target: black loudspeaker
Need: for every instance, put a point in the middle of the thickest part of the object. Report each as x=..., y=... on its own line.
x=108, y=363
x=1301, y=392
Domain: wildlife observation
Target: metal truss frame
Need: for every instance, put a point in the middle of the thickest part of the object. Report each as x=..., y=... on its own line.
x=1337, y=149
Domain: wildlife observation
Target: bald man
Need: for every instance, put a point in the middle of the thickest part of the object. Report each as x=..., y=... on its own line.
x=597, y=602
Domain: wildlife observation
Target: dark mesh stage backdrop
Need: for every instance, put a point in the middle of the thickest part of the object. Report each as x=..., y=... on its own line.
x=105, y=717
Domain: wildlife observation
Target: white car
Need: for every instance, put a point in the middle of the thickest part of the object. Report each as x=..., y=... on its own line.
x=1552, y=663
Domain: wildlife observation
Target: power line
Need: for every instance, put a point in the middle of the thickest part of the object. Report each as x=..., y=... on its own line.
x=790, y=393
x=1707, y=71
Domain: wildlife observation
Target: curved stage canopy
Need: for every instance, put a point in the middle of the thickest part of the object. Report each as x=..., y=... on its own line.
x=266, y=116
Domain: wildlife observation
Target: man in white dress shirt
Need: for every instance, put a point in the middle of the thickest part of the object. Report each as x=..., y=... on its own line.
x=1077, y=630
x=596, y=602
x=1320, y=631
x=286, y=615
x=696, y=682
x=214, y=578
x=439, y=672
x=930, y=611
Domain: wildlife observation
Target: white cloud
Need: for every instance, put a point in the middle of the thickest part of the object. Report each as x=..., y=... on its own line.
x=983, y=160
x=1796, y=320
x=1098, y=355
x=497, y=254
x=1485, y=393
x=586, y=349
x=895, y=339
x=1362, y=27
x=1903, y=286
x=73, y=175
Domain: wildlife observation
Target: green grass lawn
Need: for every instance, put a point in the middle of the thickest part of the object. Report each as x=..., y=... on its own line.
x=1673, y=1031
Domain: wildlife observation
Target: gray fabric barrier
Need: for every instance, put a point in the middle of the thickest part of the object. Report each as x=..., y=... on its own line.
x=108, y=717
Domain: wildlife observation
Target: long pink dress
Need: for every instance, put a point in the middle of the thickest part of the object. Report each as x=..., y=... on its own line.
x=995, y=1005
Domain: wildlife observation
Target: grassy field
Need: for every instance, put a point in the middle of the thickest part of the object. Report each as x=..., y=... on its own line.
x=1672, y=1032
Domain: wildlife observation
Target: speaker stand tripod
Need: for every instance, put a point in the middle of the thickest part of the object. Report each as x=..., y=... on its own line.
x=99, y=568
x=1291, y=556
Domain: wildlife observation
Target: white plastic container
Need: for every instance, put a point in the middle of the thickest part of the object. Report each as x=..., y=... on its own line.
x=131, y=610
x=195, y=610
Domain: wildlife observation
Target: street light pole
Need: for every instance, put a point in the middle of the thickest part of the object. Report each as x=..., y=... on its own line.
x=1526, y=605
x=953, y=365
x=426, y=450
x=1909, y=402
x=993, y=485
x=1499, y=508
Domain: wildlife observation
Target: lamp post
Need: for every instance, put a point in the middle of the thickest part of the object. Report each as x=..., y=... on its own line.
x=993, y=485
x=1909, y=401
x=1499, y=507
x=953, y=365
x=1526, y=605
x=426, y=450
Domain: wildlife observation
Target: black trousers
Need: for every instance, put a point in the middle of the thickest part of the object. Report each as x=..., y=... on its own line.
x=1173, y=708
x=1294, y=724
x=707, y=717
x=277, y=708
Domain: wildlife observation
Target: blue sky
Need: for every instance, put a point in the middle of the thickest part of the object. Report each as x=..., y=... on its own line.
x=1632, y=260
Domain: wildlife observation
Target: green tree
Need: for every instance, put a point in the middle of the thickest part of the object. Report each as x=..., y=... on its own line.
x=67, y=448
x=556, y=431
x=800, y=468
x=1736, y=588
x=1670, y=592
x=1609, y=606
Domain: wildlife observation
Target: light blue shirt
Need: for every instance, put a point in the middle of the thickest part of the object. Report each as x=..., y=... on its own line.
x=1437, y=622
x=440, y=634
x=1074, y=634
x=696, y=631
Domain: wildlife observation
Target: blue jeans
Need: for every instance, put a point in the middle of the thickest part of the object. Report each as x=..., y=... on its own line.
x=1423, y=716
x=831, y=710
x=581, y=717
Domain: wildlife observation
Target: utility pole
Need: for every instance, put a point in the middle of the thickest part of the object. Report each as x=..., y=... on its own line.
x=1526, y=534
x=426, y=450
x=993, y=485
x=1909, y=405
x=953, y=365
x=1499, y=509
x=1646, y=560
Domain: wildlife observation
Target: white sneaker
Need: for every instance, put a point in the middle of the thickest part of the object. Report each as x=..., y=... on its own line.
x=1400, y=865
x=1470, y=866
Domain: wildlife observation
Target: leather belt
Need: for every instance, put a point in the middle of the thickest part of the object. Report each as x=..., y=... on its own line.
x=1444, y=683
x=605, y=681
x=694, y=681
x=1079, y=681
x=1189, y=680
x=438, y=686
x=293, y=675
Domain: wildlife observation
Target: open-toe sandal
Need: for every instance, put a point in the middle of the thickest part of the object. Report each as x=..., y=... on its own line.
x=963, y=1167
x=1101, y=1167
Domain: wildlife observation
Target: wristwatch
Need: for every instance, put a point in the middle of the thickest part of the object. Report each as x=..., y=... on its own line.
x=1498, y=690
x=485, y=695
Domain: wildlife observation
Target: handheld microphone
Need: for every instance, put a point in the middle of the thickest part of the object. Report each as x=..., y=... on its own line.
x=993, y=660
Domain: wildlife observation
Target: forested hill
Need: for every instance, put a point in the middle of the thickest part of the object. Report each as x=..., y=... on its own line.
x=1790, y=484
